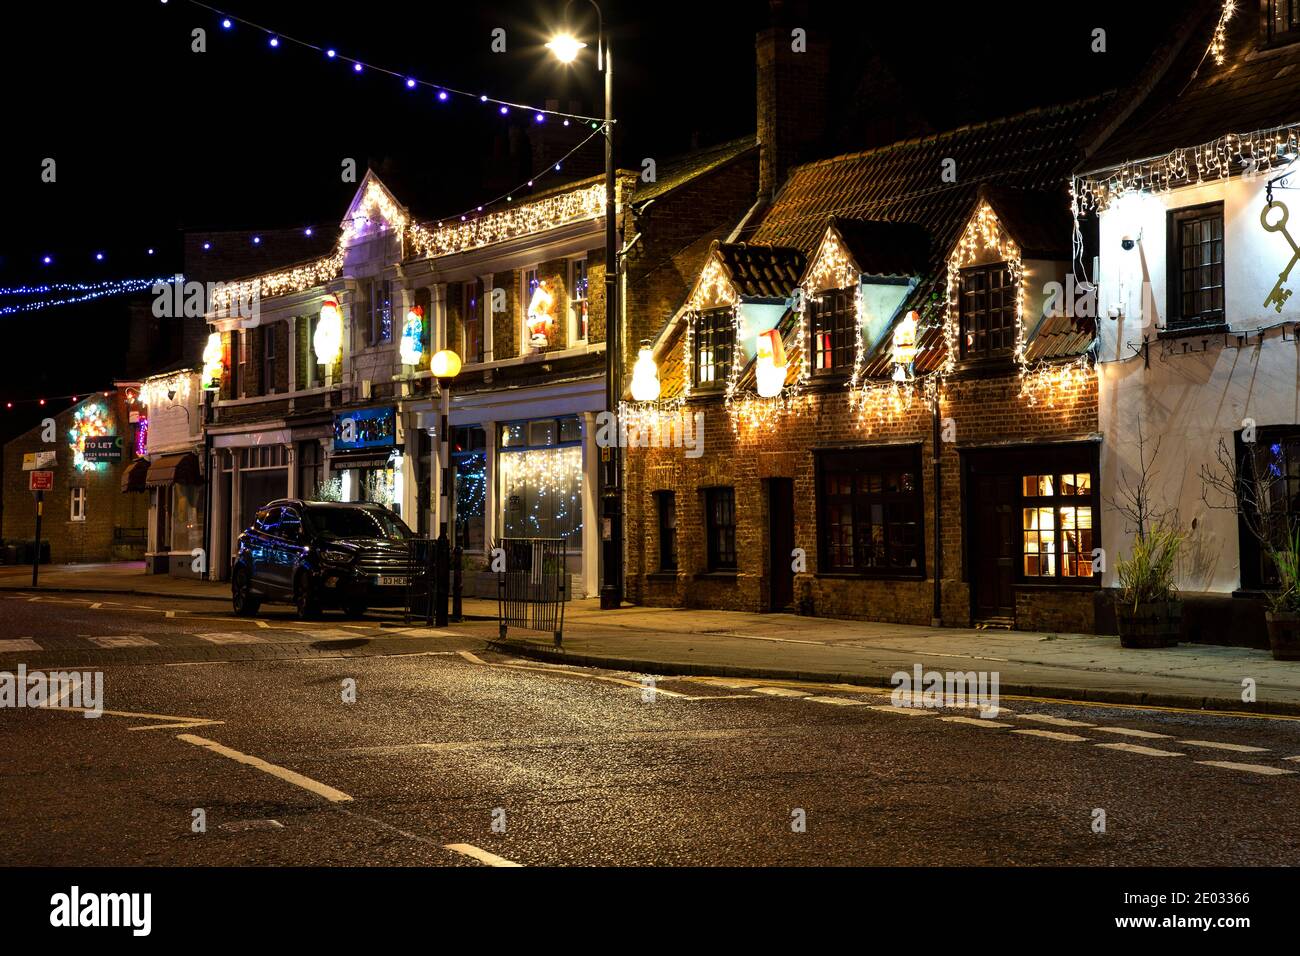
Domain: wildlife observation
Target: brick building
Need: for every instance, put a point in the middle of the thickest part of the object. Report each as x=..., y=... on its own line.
x=915, y=309
x=87, y=515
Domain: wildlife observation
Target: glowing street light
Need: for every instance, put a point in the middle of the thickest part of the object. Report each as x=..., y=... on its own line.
x=565, y=46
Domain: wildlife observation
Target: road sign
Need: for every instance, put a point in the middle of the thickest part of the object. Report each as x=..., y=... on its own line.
x=104, y=448
x=34, y=460
x=41, y=480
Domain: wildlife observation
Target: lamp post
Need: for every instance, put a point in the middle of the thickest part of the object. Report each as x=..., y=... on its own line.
x=566, y=48
x=445, y=366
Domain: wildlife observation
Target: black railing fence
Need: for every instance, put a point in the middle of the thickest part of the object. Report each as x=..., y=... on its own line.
x=531, y=588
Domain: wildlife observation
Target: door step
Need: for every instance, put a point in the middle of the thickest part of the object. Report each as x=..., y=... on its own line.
x=995, y=624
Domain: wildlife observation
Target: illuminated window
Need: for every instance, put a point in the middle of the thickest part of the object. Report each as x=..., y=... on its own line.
x=1056, y=526
x=1196, y=266
x=832, y=316
x=77, y=504
x=1283, y=20
x=471, y=318
x=987, y=310
x=379, y=312
x=715, y=336
x=578, y=316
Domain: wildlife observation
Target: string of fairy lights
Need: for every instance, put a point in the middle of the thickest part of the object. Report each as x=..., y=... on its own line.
x=442, y=92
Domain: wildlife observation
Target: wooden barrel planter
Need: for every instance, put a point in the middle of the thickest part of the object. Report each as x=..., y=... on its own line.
x=1284, y=634
x=1149, y=625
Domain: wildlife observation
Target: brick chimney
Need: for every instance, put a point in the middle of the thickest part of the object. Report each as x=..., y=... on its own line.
x=792, y=93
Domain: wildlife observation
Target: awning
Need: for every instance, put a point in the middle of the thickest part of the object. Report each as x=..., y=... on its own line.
x=180, y=469
x=133, y=476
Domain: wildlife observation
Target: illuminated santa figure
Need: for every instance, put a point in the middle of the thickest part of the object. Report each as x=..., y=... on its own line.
x=770, y=365
x=541, y=316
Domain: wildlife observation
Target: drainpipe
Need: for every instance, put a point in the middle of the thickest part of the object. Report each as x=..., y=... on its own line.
x=936, y=614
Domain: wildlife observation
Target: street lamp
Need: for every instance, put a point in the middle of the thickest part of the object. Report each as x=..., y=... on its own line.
x=445, y=366
x=566, y=47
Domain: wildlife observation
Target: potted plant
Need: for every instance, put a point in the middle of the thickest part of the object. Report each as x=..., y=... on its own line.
x=1283, y=614
x=1147, y=609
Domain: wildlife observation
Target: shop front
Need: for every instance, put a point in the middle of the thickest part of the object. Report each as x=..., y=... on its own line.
x=366, y=460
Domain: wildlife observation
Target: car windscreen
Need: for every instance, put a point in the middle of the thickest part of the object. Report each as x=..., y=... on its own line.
x=357, y=523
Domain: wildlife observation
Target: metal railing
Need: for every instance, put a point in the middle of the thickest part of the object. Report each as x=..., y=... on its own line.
x=531, y=588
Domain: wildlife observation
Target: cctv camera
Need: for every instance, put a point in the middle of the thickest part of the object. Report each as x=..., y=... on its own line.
x=1127, y=243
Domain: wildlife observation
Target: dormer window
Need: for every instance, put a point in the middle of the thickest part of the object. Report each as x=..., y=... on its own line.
x=714, y=340
x=987, y=309
x=832, y=317
x=1282, y=20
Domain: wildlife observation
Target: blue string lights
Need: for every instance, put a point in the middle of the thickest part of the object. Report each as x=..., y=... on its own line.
x=86, y=292
x=442, y=91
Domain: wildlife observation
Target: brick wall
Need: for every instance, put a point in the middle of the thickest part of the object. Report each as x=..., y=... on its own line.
x=107, y=507
x=985, y=411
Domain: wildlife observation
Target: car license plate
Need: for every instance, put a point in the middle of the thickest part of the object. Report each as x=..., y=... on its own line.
x=391, y=580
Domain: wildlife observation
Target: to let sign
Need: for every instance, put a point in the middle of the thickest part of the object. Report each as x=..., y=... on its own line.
x=41, y=480
x=106, y=448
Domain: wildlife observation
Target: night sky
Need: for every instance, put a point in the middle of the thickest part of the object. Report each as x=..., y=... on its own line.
x=151, y=139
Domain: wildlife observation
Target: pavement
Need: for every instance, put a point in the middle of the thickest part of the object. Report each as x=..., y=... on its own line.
x=783, y=646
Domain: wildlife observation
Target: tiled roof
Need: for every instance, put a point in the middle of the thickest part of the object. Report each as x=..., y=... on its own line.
x=1037, y=220
x=885, y=249
x=903, y=182
x=761, y=271
x=682, y=169
x=1199, y=101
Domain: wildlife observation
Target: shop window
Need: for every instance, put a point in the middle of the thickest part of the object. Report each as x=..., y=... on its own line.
x=77, y=504
x=869, y=512
x=987, y=312
x=666, y=512
x=1196, y=266
x=578, y=306
x=1268, y=499
x=541, y=482
x=1057, y=526
x=833, y=318
x=469, y=471
x=714, y=338
x=720, y=528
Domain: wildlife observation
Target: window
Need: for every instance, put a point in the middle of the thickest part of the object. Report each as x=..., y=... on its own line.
x=241, y=374
x=1268, y=474
x=869, y=512
x=378, y=319
x=528, y=282
x=541, y=467
x=313, y=372
x=472, y=321
x=290, y=525
x=987, y=309
x=469, y=469
x=1283, y=20
x=1196, y=266
x=833, y=316
x=1056, y=526
x=720, y=527
x=77, y=504
x=666, y=505
x=715, y=334
x=578, y=300
x=268, y=359
x=310, y=473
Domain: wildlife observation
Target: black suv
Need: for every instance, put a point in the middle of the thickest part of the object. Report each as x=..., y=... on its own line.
x=321, y=554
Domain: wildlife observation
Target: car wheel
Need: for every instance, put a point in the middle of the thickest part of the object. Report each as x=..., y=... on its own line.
x=355, y=610
x=305, y=599
x=246, y=603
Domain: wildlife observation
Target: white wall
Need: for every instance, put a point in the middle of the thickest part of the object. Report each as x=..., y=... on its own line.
x=1190, y=400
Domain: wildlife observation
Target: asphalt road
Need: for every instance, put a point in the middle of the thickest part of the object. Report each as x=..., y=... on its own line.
x=454, y=755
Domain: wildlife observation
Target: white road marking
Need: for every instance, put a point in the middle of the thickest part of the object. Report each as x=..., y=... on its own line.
x=974, y=722
x=17, y=644
x=288, y=776
x=1139, y=749
x=1293, y=759
x=781, y=691
x=1247, y=767
x=96, y=606
x=231, y=637
x=1125, y=731
x=483, y=856
x=1215, y=745
x=123, y=640
x=1055, y=721
x=1051, y=735
x=171, y=614
x=471, y=657
x=837, y=701
x=903, y=711
x=261, y=624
